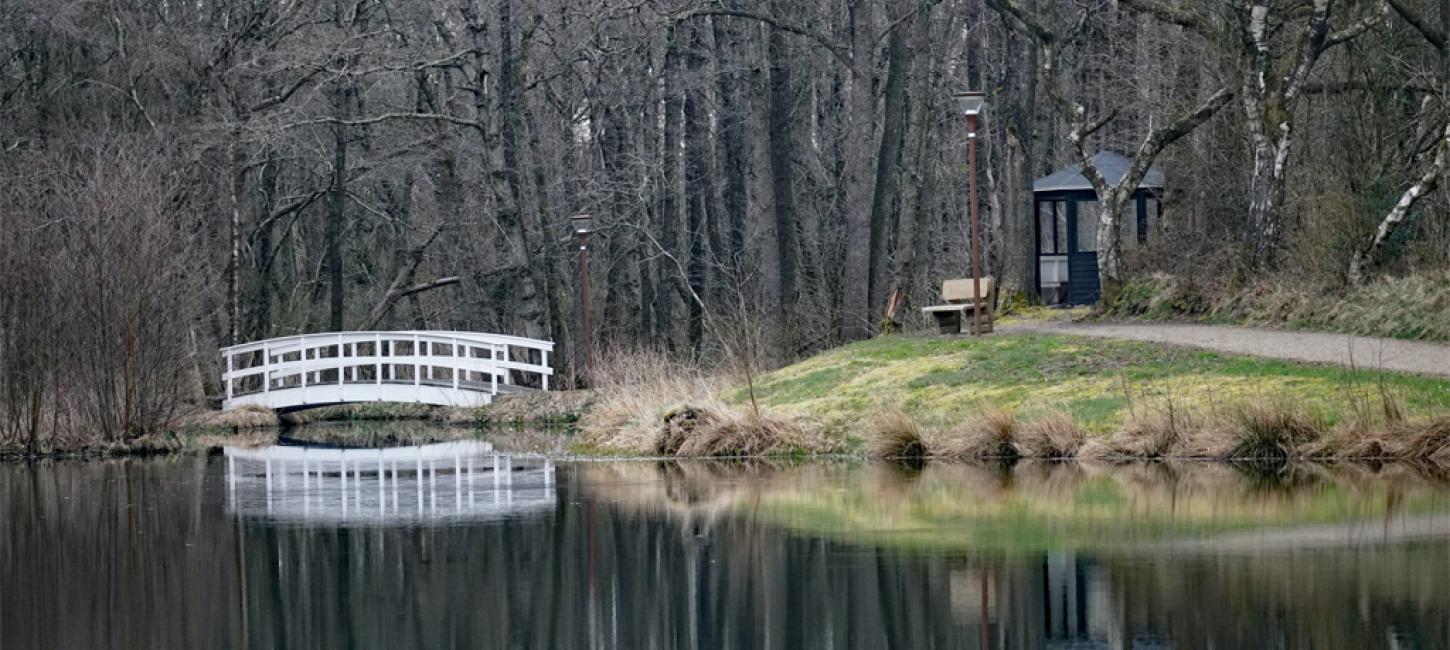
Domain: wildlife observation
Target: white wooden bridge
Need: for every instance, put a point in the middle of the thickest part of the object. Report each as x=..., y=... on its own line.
x=416, y=485
x=464, y=369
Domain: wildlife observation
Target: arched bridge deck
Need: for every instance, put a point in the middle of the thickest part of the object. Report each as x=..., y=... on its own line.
x=466, y=369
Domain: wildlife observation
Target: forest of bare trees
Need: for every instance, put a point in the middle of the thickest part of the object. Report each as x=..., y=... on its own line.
x=179, y=176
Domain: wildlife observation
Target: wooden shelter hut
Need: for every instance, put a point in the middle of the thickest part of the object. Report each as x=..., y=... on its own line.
x=1066, y=226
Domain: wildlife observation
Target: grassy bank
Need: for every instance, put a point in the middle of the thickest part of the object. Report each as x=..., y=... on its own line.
x=944, y=382
x=1040, y=396
x=1415, y=307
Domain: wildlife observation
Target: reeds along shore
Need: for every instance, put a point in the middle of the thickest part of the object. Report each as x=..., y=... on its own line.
x=1253, y=431
x=682, y=417
x=647, y=405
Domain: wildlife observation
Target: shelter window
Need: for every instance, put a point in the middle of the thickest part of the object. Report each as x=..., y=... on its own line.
x=1087, y=226
x=1152, y=210
x=1051, y=227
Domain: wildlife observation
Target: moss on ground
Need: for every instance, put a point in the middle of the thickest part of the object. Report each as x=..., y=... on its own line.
x=943, y=381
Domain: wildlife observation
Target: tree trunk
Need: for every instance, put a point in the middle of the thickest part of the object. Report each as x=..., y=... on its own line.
x=261, y=294
x=621, y=299
x=336, y=216
x=1019, y=148
x=858, y=181
x=669, y=287
x=918, y=195
x=528, y=308
x=884, y=201
x=731, y=136
x=235, y=187
x=699, y=184
x=782, y=182
x=1262, y=227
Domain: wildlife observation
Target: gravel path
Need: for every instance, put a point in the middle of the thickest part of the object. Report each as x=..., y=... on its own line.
x=1366, y=352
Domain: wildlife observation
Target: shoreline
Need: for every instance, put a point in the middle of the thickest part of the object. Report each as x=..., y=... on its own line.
x=1018, y=394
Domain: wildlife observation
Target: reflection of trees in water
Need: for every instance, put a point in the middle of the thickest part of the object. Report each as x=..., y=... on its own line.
x=141, y=554
x=1334, y=597
x=107, y=554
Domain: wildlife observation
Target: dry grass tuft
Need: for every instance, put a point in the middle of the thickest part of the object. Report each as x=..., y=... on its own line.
x=647, y=404
x=635, y=393
x=546, y=408
x=727, y=432
x=1358, y=441
x=1055, y=435
x=1097, y=451
x=895, y=434
x=1151, y=434
x=1428, y=440
x=1262, y=430
x=990, y=435
x=246, y=439
x=1392, y=407
x=244, y=417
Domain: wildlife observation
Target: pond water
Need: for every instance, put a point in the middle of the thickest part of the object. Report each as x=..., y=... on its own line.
x=196, y=552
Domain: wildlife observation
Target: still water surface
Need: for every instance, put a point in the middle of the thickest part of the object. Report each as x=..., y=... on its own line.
x=198, y=553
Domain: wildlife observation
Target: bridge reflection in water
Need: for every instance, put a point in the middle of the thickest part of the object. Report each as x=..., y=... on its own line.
x=465, y=481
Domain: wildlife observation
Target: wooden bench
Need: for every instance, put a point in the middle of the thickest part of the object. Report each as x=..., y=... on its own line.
x=955, y=317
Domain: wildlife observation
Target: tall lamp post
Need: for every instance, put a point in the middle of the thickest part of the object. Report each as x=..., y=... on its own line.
x=970, y=104
x=581, y=230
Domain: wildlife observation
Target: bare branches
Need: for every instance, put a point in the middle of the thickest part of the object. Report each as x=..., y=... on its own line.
x=1359, y=27
x=386, y=117
x=1026, y=21
x=1368, y=257
x=294, y=206
x=1167, y=13
x=402, y=285
x=1164, y=136
x=282, y=97
x=840, y=53
x=1111, y=197
x=1434, y=36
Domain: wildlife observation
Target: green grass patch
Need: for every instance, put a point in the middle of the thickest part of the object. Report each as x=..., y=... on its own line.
x=943, y=381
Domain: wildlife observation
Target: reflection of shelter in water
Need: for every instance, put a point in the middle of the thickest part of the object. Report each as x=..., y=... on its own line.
x=438, y=483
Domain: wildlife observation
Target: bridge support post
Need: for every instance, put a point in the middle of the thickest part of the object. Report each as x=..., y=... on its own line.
x=340, y=364
x=266, y=363
x=493, y=370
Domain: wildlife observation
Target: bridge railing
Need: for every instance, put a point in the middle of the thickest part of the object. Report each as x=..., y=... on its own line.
x=467, y=361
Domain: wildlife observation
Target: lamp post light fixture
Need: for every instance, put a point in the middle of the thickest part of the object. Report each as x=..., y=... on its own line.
x=970, y=103
x=581, y=224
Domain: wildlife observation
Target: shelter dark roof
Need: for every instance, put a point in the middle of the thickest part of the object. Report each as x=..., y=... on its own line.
x=1110, y=164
